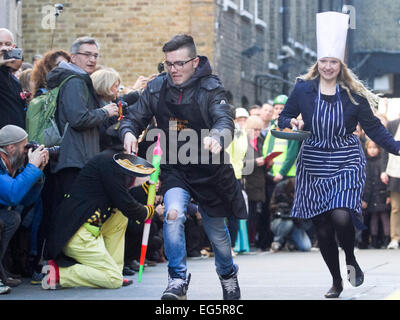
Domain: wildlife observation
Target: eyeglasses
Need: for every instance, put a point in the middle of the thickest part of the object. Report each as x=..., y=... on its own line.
x=88, y=55
x=177, y=64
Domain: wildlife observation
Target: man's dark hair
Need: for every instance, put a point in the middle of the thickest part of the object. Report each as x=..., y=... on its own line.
x=181, y=41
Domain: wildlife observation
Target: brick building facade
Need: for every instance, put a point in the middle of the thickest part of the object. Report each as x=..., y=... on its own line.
x=131, y=33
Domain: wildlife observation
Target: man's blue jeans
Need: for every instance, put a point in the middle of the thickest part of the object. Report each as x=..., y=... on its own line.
x=176, y=200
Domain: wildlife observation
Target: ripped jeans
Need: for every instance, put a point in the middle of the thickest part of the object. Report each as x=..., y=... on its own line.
x=176, y=200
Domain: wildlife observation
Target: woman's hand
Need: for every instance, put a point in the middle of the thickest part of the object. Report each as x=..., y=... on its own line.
x=297, y=124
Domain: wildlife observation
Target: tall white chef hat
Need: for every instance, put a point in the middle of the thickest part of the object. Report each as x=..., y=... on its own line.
x=332, y=30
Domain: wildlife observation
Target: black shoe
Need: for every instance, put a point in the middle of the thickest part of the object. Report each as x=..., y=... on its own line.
x=134, y=265
x=355, y=274
x=11, y=282
x=335, y=291
x=230, y=285
x=126, y=271
x=194, y=254
x=176, y=289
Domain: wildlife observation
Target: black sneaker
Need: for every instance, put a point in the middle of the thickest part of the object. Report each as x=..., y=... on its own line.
x=230, y=285
x=126, y=271
x=176, y=289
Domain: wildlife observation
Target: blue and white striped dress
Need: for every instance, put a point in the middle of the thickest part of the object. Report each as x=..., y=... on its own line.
x=330, y=166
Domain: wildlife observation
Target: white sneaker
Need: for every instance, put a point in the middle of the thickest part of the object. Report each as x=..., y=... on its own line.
x=4, y=289
x=394, y=244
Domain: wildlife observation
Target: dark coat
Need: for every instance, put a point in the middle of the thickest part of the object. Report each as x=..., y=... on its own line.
x=302, y=100
x=101, y=185
x=12, y=106
x=77, y=105
x=254, y=183
x=375, y=191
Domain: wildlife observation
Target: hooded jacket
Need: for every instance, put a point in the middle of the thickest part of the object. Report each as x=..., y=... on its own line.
x=79, y=107
x=216, y=112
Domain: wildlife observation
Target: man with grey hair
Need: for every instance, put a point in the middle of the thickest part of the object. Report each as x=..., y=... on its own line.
x=78, y=114
x=19, y=185
x=12, y=105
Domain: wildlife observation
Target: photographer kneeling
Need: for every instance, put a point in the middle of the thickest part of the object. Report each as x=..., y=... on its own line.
x=19, y=184
x=283, y=226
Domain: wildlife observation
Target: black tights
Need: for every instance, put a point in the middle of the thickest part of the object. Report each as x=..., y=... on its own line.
x=326, y=224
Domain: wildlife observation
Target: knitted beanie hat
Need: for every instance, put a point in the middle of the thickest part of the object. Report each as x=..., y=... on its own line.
x=11, y=134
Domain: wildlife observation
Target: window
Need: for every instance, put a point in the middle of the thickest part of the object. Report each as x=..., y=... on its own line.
x=259, y=13
x=245, y=9
x=246, y=5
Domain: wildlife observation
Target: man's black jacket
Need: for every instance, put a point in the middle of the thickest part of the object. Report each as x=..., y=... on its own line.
x=12, y=106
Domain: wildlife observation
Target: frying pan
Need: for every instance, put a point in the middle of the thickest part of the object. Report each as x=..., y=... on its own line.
x=134, y=160
x=298, y=135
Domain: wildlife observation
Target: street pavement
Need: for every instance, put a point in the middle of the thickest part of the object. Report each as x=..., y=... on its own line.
x=262, y=276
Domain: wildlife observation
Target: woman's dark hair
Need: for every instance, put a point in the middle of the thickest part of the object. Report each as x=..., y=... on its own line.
x=44, y=66
x=181, y=41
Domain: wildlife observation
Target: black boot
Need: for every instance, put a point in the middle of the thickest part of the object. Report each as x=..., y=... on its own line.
x=335, y=291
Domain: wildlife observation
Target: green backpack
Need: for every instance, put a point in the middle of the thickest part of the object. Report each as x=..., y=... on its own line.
x=40, y=118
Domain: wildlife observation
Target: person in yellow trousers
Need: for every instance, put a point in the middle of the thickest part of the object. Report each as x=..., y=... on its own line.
x=85, y=246
x=237, y=151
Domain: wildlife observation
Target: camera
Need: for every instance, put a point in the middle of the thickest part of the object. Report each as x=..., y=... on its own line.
x=53, y=151
x=59, y=8
x=15, y=53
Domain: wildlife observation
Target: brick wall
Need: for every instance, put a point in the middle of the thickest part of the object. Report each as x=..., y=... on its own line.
x=131, y=32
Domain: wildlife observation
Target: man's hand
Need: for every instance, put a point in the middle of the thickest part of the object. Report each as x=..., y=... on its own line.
x=112, y=109
x=5, y=49
x=39, y=158
x=130, y=143
x=212, y=145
